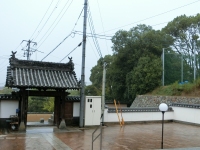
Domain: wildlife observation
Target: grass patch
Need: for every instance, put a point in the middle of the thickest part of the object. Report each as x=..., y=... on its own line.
x=176, y=89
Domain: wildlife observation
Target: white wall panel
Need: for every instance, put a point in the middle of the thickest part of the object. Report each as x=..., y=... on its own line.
x=8, y=107
x=76, y=109
x=190, y=115
x=137, y=116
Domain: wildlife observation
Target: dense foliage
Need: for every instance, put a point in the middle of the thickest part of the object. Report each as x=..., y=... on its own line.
x=184, y=32
x=6, y=90
x=136, y=65
x=40, y=104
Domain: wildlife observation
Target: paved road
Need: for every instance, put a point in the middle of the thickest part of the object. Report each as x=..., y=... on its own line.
x=129, y=137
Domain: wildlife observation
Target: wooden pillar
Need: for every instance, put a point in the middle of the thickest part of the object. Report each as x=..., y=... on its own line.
x=54, y=116
x=22, y=114
x=62, y=100
x=25, y=110
x=57, y=111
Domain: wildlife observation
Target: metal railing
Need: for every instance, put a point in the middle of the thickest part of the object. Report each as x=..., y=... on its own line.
x=100, y=134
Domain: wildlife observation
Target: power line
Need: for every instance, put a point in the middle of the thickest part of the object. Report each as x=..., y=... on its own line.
x=71, y=51
x=41, y=19
x=64, y=38
x=153, y=16
x=56, y=46
x=93, y=33
x=47, y=19
x=92, y=48
x=102, y=26
x=54, y=23
x=92, y=36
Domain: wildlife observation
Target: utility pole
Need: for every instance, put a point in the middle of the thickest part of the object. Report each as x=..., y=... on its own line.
x=82, y=103
x=28, y=50
x=103, y=93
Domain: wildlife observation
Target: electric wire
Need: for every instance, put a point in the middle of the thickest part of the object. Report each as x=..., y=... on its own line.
x=153, y=16
x=64, y=38
x=90, y=21
x=92, y=36
x=71, y=51
x=42, y=19
x=54, y=23
x=8, y=55
x=58, y=22
x=47, y=19
x=56, y=46
x=102, y=26
x=92, y=48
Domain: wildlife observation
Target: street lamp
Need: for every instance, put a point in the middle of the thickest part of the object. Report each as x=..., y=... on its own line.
x=163, y=108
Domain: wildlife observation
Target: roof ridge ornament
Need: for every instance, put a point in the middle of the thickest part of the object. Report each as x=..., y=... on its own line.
x=71, y=63
x=13, y=54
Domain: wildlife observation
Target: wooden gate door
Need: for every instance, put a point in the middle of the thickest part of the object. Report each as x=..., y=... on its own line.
x=69, y=113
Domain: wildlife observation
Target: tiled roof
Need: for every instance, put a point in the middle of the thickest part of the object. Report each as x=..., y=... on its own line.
x=14, y=97
x=73, y=98
x=37, y=74
x=8, y=97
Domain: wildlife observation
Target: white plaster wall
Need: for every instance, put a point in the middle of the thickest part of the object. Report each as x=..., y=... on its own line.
x=190, y=115
x=137, y=116
x=8, y=107
x=76, y=109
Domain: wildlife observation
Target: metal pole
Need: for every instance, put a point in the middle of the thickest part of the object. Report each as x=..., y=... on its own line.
x=181, y=67
x=82, y=103
x=28, y=55
x=162, y=128
x=103, y=93
x=163, y=62
x=194, y=62
x=101, y=137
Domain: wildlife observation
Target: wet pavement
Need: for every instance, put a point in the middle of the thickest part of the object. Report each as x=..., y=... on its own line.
x=130, y=137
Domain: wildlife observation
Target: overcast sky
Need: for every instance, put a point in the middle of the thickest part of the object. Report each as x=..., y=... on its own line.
x=48, y=22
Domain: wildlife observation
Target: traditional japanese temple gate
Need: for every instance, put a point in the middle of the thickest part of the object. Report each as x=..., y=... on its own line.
x=36, y=78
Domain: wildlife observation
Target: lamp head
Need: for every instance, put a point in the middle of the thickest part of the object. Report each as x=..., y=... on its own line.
x=163, y=107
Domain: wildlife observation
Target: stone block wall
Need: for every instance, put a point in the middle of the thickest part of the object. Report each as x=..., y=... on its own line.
x=154, y=101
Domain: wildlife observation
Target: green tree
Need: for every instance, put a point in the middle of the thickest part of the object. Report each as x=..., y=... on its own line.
x=49, y=105
x=175, y=68
x=6, y=90
x=96, y=78
x=145, y=76
x=140, y=43
x=91, y=90
x=185, y=33
x=35, y=104
x=74, y=92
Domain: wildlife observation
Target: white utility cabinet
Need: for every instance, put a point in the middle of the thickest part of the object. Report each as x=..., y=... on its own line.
x=92, y=110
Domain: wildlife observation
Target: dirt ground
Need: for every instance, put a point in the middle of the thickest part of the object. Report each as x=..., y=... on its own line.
x=36, y=117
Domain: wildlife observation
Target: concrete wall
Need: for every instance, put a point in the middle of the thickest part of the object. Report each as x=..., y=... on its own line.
x=8, y=107
x=181, y=114
x=137, y=116
x=189, y=115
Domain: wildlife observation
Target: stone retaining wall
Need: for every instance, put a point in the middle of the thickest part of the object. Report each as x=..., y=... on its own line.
x=154, y=101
